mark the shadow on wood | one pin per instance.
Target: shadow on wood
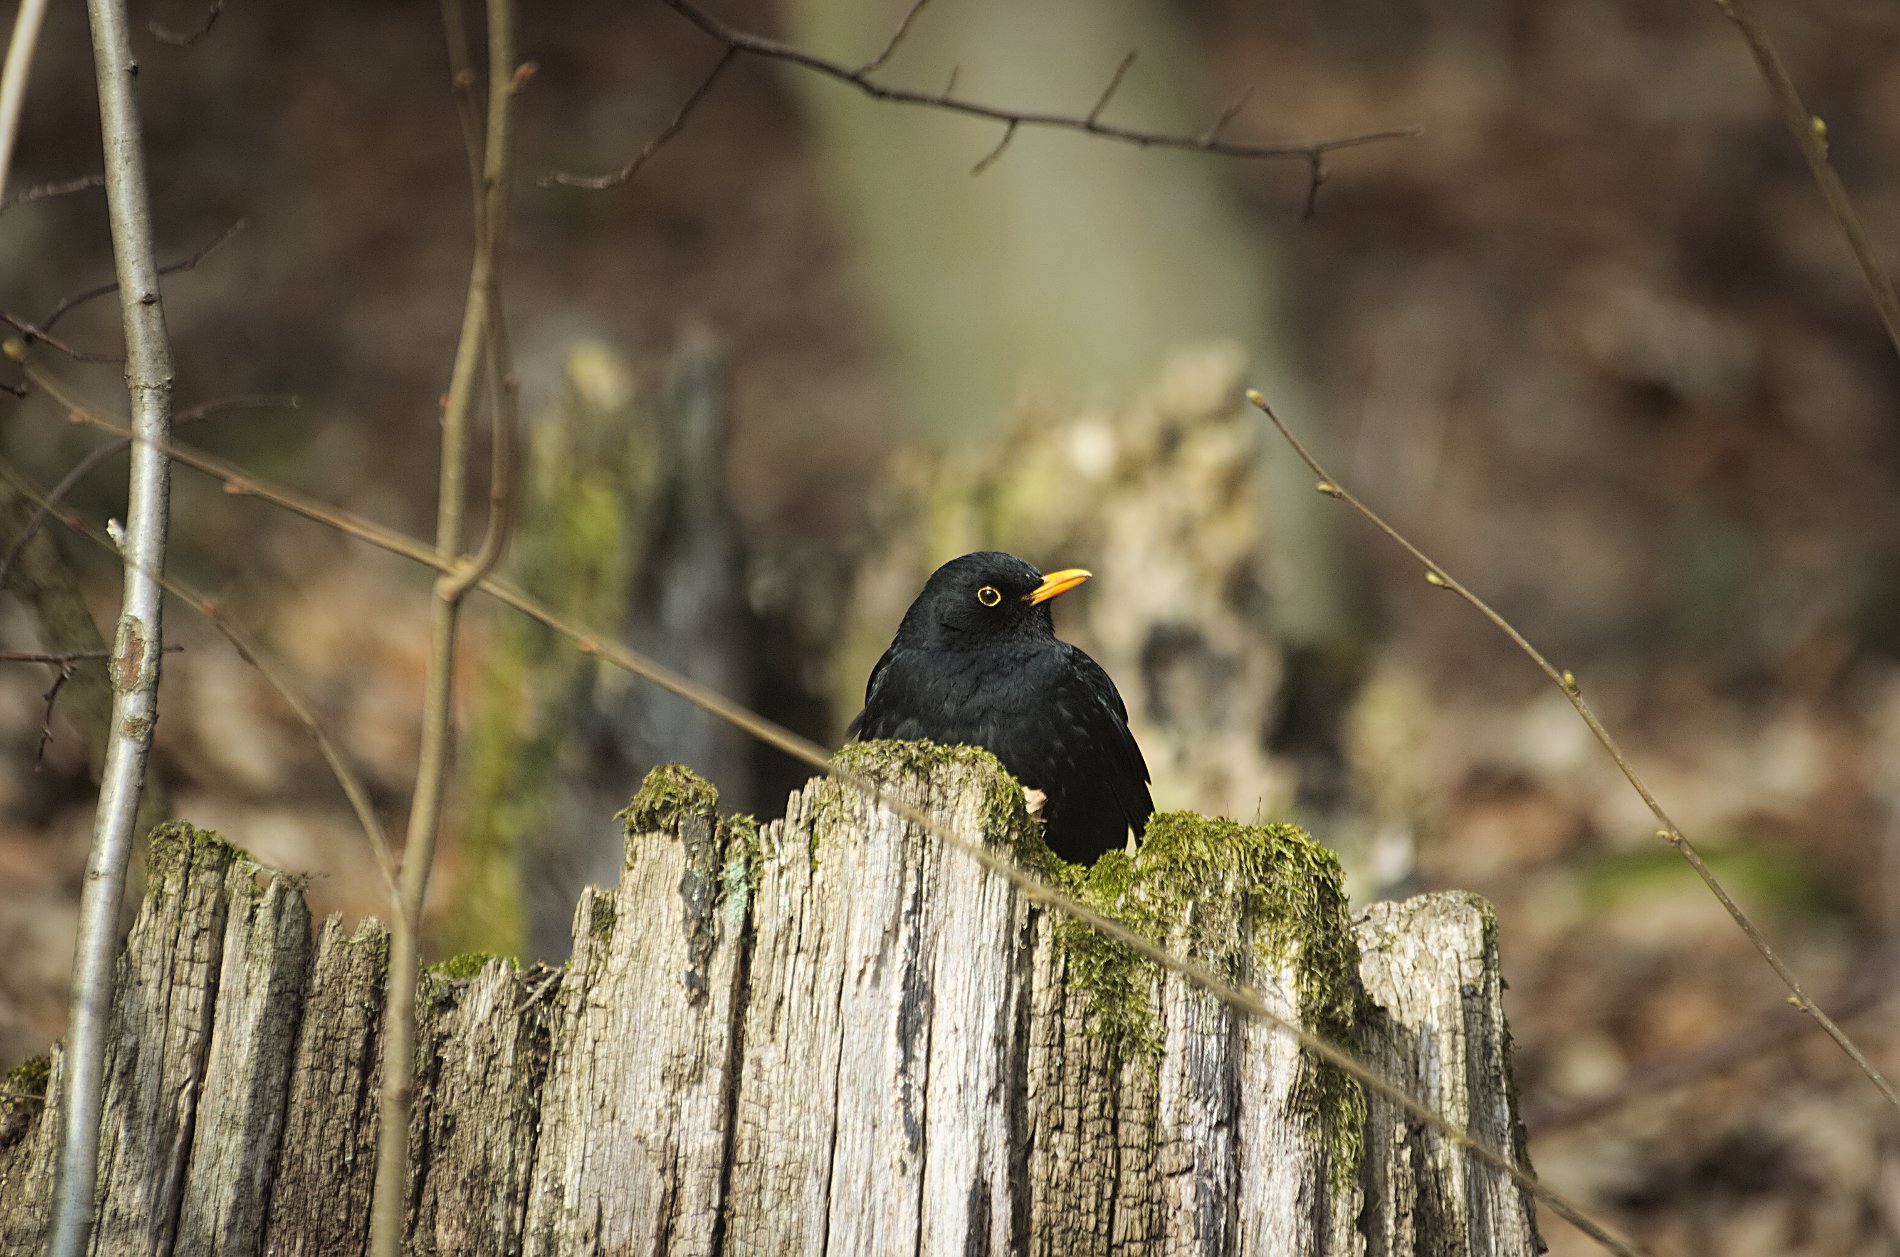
(830, 1035)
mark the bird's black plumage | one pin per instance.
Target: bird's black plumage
(976, 662)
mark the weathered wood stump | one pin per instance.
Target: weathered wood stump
(830, 1035)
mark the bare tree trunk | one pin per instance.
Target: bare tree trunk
(830, 1035)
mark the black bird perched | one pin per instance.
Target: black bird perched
(976, 662)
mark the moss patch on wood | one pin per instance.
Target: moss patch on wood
(1239, 899)
(1004, 818)
(178, 845)
(31, 1076)
(722, 855)
(670, 795)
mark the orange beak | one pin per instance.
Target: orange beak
(1058, 583)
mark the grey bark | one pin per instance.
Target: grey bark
(834, 1035)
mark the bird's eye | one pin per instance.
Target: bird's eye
(988, 596)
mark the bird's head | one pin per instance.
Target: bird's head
(986, 596)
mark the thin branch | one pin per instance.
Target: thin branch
(185, 39)
(63, 657)
(32, 332)
(64, 187)
(63, 661)
(84, 466)
(897, 37)
(804, 750)
(353, 787)
(1228, 114)
(1108, 93)
(170, 268)
(51, 502)
(595, 183)
(1567, 682)
(481, 330)
(462, 88)
(989, 159)
(735, 40)
(13, 78)
(63, 675)
(1315, 176)
(1810, 134)
(60, 657)
(139, 636)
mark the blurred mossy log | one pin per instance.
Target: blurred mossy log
(624, 524)
(830, 1034)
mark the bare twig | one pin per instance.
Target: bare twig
(1567, 682)
(482, 330)
(63, 661)
(170, 268)
(137, 643)
(989, 159)
(85, 465)
(1810, 135)
(1108, 93)
(13, 78)
(614, 178)
(1228, 114)
(64, 187)
(589, 642)
(56, 657)
(897, 37)
(51, 697)
(32, 332)
(1315, 176)
(735, 40)
(185, 39)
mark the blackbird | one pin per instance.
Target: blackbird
(976, 662)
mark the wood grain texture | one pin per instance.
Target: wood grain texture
(832, 1035)
(1430, 966)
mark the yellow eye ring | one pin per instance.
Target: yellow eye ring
(988, 596)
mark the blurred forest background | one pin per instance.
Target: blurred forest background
(1590, 339)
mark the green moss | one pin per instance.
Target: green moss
(178, 845)
(440, 979)
(462, 967)
(722, 856)
(1004, 817)
(31, 1076)
(670, 794)
(602, 917)
(1239, 899)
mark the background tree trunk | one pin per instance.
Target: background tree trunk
(831, 1035)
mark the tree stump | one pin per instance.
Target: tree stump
(833, 1034)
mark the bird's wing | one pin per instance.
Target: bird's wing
(1109, 736)
(885, 702)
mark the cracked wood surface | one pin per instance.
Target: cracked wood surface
(830, 1036)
